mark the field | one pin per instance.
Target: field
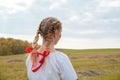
(91, 64)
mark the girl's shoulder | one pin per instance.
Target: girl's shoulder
(65, 67)
(60, 57)
(59, 54)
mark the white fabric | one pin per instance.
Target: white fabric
(57, 66)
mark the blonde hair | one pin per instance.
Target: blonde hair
(46, 29)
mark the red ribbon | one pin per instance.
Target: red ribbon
(44, 55)
(28, 49)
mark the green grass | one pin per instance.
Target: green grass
(105, 61)
(12, 70)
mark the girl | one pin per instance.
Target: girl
(46, 63)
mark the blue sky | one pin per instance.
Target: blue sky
(86, 23)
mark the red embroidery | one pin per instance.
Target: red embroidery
(44, 55)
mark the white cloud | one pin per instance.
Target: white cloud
(56, 4)
(98, 9)
(12, 6)
(92, 32)
(110, 3)
(87, 16)
(101, 21)
(106, 5)
(74, 18)
(87, 32)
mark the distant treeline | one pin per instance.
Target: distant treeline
(10, 46)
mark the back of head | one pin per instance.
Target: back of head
(46, 29)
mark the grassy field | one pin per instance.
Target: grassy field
(93, 64)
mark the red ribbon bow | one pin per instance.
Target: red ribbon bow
(28, 49)
(44, 55)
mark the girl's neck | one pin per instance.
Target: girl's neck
(43, 47)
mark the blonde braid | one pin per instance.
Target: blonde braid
(51, 32)
(34, 45)
(46, 29)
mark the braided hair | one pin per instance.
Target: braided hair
(46, 29)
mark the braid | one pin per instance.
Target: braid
(34, 44)
(42, 27)
(51, 32)
(46, 29)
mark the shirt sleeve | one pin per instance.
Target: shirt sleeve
(67, 71)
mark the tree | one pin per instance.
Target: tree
(10, 46)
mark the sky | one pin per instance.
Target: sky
(86, 24)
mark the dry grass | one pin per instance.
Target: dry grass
(101, 64)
